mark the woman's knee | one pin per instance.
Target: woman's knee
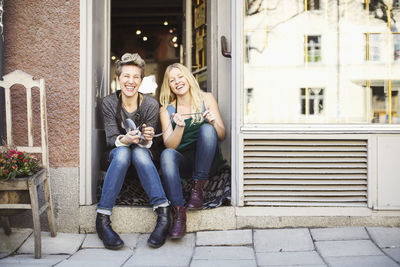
(207, 132)
(141, 156)
(168, 154)
(120, 156)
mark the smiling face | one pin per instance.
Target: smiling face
(177, 82)
(130, 80)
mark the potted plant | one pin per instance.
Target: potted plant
(13, 165)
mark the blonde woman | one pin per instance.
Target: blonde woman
(192, 126)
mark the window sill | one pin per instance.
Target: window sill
(322, 128)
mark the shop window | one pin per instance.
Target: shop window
(313, 51)
(312, 101)
(353, 60)
(313, 4)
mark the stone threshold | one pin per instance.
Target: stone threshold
(127, 219)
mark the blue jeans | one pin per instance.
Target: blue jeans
(175, 165)
(121, 158)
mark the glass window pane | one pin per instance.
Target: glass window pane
(321, 62)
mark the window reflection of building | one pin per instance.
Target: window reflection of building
(314, 97)
(396, 4)
(247, 55)
(396, 47)
(373, 46)
(313, 48)
(379, 104)
(249, 100)
(343, 38)
(313, 5)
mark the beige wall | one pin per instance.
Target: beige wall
(42, 39)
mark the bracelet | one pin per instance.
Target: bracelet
(118, 143)
(149, 143)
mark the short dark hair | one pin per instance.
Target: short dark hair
(130, 59)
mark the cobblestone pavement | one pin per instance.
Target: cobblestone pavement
(347, 246)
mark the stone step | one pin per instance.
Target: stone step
(135, 219)
(127, 219)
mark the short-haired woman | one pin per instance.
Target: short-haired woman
(130, 147)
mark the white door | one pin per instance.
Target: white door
(221, 27)
(94, 84)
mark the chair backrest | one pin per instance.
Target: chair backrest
(26, 80)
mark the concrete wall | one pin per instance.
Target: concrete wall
(42, 39)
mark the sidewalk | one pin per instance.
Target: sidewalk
(348, 246)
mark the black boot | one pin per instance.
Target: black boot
(105, 232)
(158, 236)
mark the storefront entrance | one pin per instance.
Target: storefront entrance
(162, 32)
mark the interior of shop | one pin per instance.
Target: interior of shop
(155, 29)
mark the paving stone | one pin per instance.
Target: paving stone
(301, 265)
(98, 257)
(61, 244)
(29, 260)
(394, 253)
(224, 238)
(277, 240)
(347, 248)
(10, 243)
(224, 253)
(223, 263)
(340, 233)
(172, 253)
(289, 258)
(385, 237)
(93, 241)
(361, 261)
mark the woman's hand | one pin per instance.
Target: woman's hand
(131, 137)
(178, 119)
(209, 116)
(147, 132)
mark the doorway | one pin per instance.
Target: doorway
(151, 28)
(162, 32)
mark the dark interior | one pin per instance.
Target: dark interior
(162, 45)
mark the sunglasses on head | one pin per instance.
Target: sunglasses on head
(128, 57)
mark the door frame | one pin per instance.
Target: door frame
(92, 84)
(224, 78)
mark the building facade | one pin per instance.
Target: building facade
(308, 91)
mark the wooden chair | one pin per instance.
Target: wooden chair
(30, 183)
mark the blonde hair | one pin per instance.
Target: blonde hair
(167, 96)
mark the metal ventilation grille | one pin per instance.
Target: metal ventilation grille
(305, 172)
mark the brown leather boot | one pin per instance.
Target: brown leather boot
(179, 225)
(196, 195)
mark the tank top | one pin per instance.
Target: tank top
(190, 132)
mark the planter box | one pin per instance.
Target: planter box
(14, 194)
